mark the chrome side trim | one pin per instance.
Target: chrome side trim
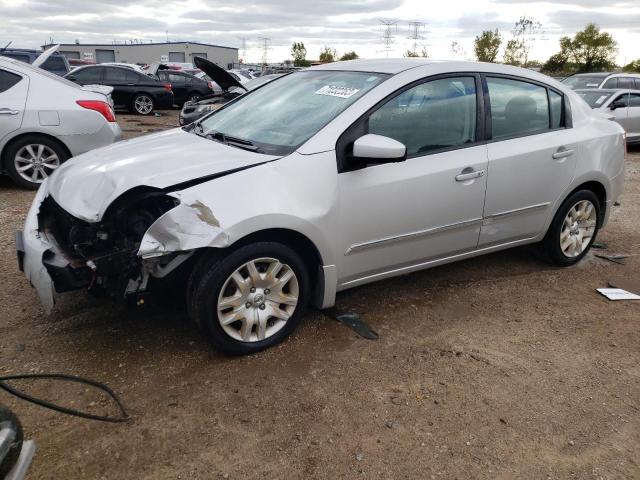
(412, 235)
(517, 211)
(429, 263)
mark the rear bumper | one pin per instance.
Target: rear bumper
(109, 133)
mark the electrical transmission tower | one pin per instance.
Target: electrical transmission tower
(389, 27)
(266, 42)
(243, 49)
(416, 29)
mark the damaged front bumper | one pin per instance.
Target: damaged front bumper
(31, 248)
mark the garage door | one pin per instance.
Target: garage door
(176, 57)
(103, 56)
(71, 54)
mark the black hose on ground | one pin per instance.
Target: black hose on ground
(69, 411)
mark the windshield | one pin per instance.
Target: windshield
(283, 114)
(582, 82)
(595, 99)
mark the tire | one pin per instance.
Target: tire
(33, 155)
(7, 417)
(193, 97)
(277, 300)
(568, 240)
(143, 104)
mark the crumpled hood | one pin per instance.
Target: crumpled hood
(86, 185)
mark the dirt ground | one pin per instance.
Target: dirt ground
(499, 367)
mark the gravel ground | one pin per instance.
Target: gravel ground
(499, 367)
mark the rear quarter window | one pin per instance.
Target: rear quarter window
(8, 80)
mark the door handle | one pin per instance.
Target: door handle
(562, 153)
(463, 177)
(8, 111)
(131, 84)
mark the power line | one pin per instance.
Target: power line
(415, 33)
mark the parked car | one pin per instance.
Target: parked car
(326, 179)
(133, 91)
(56, 63)
(45, 119)
(186, 88)
(230, 88)
(241, 76)
(215, 88)
(16, 453)
(603, 80)
(623, 105)
(194, 110)
(132, 66)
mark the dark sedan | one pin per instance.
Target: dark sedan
(185, 87)
(132, 90)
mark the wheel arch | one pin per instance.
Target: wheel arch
(20, 136)
(598, 189)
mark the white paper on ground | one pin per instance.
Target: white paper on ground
(617, 294)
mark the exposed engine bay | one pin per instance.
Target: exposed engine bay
(102, 257)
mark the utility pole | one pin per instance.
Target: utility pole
(389, 27)
(416, 29)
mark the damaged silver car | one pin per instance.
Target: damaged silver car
(323, 180)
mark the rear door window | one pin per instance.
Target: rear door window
(518, 108)
(611, 83)
(434, 115)
(88, 75)
(556, 107)
(625, 82)
(8, 80)
(115, 75)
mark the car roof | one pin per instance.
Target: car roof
(380, 65)
(607, 90)
(594, 74)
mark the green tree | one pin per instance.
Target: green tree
(524, 34)
(590, 50)
(299, 54)
(349, 56)
(632, 66)
(328, 55)
(487, 45)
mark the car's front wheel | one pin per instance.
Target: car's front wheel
(251, 299)
(32, 158)
(574, 229)
(143, 104)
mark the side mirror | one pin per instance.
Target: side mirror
(372, 148)
(617, 104)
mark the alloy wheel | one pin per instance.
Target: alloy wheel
(257, 300)
(143, 104)
(578, 228)
(35, 162)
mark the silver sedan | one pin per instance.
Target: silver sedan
(45, 120)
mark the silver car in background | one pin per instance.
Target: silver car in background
(324, 180)
(45, 120)
(622, 105)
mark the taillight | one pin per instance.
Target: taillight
(102, 108)
(167, 86)
(210, 85)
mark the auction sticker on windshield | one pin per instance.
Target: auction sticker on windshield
(342, 92)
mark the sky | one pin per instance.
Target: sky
(344, 25)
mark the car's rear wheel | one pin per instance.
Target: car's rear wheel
(143, 104)
(31, 159)
(194, 97)
(250, 299)
(574, 229)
